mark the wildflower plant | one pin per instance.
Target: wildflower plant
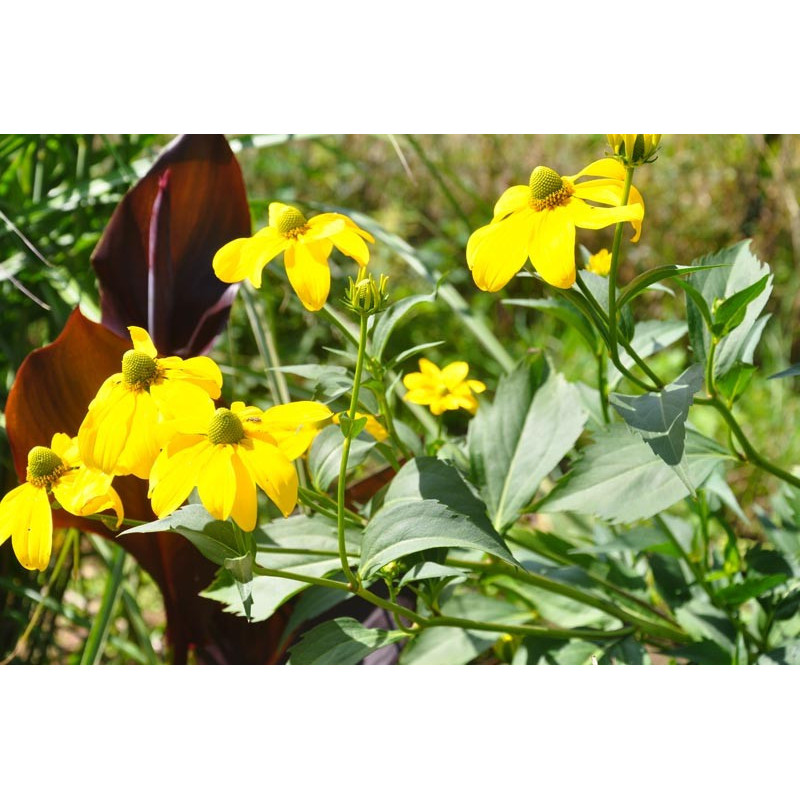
(544, 521)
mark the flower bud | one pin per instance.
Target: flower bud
(365, 295)
(635, 149)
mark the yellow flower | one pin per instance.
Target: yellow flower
(118, 434)
(600, 262)
(307, 243)
(25, 513)
(442, 389)
(373, 427)
(227, 453)
(538, 221)
(634, 149)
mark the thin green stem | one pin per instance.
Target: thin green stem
(711, 386)
(602, 384)
(101, 627)
(362, 349)
(612, 276)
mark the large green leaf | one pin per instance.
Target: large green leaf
(716, 286)
(660, 417)
(341, 641)
(517, 440)
(428, 505)
(278, 547)
(620, 479)
(442, 645)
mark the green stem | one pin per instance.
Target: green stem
(362, 348)
(612, 276)
(711, 386)
(101, 627)
(602, 384)
(386, 413)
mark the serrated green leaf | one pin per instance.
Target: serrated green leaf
(428, 505)
(341, 641)
(660, 417)
(517, 440)
(621, 480)
(389, 319)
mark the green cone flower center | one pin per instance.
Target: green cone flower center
(138, 369)
(44, 466)
(291, 222)
(225, 428)
(548, 189)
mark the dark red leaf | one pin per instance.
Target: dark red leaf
(154, 259)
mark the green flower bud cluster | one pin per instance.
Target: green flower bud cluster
(365, 295)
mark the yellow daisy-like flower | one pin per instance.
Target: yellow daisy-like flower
(373, 427)
(306, 244)
(226, 453)
(538, 221)
(25, 513)
(119, 433)
(442, 389)
(600, 262)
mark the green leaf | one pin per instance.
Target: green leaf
(388, 320)
(278, 547)
(214, 538)
(351, 427)
(325, 456)
(641, 282)
(412, 351)
(427, 505)
(241, 570)
(660, 417)
(739, 593)
(730, 313)
(341, 641)
(621, 480)
(562, 311)
(430, 570)
(716, 285)
(733, 384)
(790, 372)
(330, 381)
(650, 337)
(517, 440)
(441, 645)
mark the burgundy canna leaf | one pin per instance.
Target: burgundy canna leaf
(154, 259)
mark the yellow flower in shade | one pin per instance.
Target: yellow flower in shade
(373, 427)
(538, 221)
(119, 433)
(306, 244)
(442, 389)
(600, 262)
(226, 453)
(25, 513)
(635, 149)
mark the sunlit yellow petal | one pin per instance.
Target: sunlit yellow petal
(274, 473)
(604, 168)
(351, 244)
(31, 523)
(513, 199)
(502, 250)
(308, 272)
(476, 386)
(217, 484)
(292, 426)
(594, 217)
(552, 249)
(275, 211)
(324, 225)
(142, 445)
(453, 374)
(104, 431)
(416, 380)
(173, 477)
(427, 367)
(61, 444)
(245, 504)
(142, 342)
(421, 396)
(200, 371)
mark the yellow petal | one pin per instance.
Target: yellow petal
(501, 250)
(308, 272)
(416, 380)
(173, 477)
(427, 367)
(513, 199)
(142, 445)
(80, 486)
(61, 444)
(608, 192)
(104, 430)
(324, 225)
(453, 374)
(274, 473)
(476, 386)
(200, 371)
(142, 342)
(217, 484)
(604, 168)
(25, 515)
(275, 211)
(594, 217)
(245, 504)
(293, 426)
(351, 244)
(552, 249)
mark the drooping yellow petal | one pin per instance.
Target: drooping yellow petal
(217, 483)
(174, 476)
(293, 426)
(104, 431)
(351, 244)
(25, 514)
(604, 168)
(552, 248)
(142, 342)
(63, 446)
(275, 212)
(513, 199)
(142, 445)
(501, 250)
(608, 192)
(80, 486)
(199, 371)
(308, 272)
(476, 386)
(595, 217)
(273, 472)
(245, 504)
(324, 225)
(453, 374)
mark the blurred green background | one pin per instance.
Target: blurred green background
(57, 193)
